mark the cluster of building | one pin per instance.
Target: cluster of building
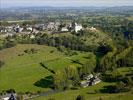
(10, 96)
(90, 80)
(51, 26)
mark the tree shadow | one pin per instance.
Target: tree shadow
(88, 57)
(91, 92)
(76, 62)
(46, 82)
(109, 89)
(50, 70)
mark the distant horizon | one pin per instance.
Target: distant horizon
(65, 6)
(64, 3)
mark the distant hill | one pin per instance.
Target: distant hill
(42, 12)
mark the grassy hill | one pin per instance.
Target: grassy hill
(22, 70)
(92, 92)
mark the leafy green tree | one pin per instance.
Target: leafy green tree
(10, 43)
(89, 66)
(60, 80)
(108, 61)
(72, 74)
(124, 58)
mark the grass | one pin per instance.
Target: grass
(88, 97)
(94, 38)
(88, 93)
(92, 92)
(130, 18)
(22, 70)
(125, 70)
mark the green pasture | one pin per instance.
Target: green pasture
(22, 70)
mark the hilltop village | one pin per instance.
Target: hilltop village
(51, 27)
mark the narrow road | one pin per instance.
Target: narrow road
(50, 92)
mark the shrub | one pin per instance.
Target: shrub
(80, 97)
(51, 99)
(1, 63)
(10, 91)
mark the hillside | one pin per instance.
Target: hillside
(23, 69)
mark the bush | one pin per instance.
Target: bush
(61, 48)
(10, 91)
(80, 97)
(1, 63)
(26, 51)
(51, 51)
(33, 50)
(30, 51)
(10, 44)
(19, 97)
(51, 99)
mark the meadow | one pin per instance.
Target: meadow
(22, 70)
(89, 97)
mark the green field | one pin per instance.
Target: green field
(67, 96)
(130, 18)
(88, 93)
(22, 70)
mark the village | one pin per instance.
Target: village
(51, 27)
(32, 30)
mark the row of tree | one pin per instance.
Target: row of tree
(71, 76)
